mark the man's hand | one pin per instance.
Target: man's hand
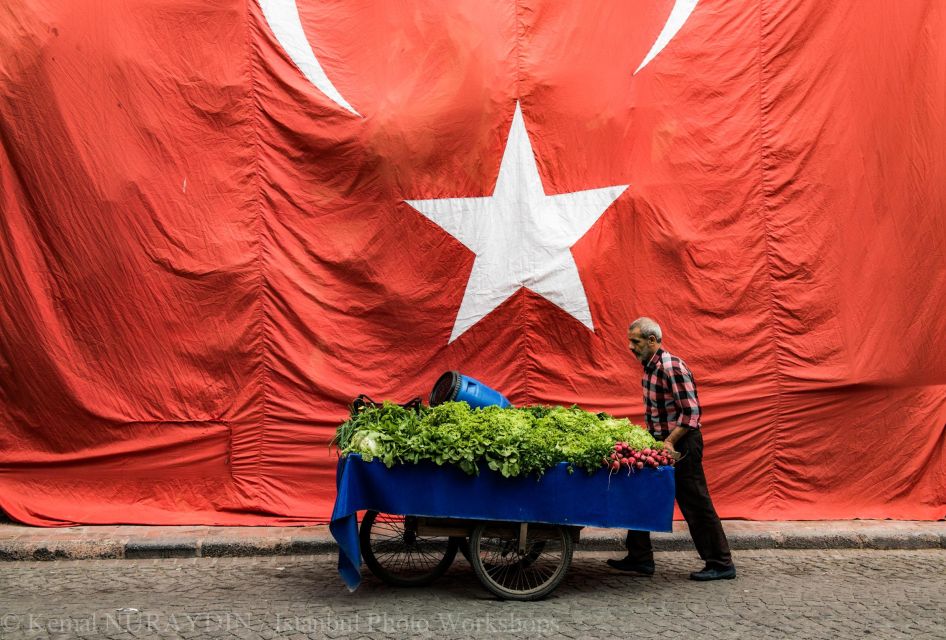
(671, 451)
(675, 435)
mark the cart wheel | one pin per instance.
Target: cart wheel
(512, 574)
(396, 554)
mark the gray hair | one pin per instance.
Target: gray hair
(648, 327)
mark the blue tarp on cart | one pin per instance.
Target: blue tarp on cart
(643, 500)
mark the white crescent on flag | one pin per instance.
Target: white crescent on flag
(678, 16)
(283, 18)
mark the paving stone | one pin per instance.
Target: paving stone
(836, 594)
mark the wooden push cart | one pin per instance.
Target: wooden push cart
(518, 533)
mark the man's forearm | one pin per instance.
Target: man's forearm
(675, 435)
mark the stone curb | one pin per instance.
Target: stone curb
(86, 543)
(606, 540)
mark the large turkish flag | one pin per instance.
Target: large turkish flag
(222, 221)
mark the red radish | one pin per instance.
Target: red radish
(615, 465)
(639, 464)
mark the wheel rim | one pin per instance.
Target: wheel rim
(402, 552)
(526, 572)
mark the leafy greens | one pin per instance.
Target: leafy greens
(511, 441)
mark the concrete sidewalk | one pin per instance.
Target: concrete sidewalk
(18, 542)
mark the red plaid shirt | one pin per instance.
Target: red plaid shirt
(669, 395)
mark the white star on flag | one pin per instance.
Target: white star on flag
(521, 236)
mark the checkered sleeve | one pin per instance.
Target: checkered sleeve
(684, 394)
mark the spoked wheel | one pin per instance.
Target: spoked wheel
(520, 572)
(394, 551)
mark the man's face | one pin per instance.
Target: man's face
(642, 348)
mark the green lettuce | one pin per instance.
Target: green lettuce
(512, 441)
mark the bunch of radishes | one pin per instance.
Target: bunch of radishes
(624, 457)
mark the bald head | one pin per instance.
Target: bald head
(648, 327)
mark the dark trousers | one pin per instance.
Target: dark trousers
(697, 507)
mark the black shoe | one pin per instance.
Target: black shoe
(714, 573)
(636, 567)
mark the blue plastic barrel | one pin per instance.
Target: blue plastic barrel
(454, 387)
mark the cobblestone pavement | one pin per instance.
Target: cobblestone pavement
(778, 594)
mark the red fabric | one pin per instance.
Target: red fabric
(204, 258)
